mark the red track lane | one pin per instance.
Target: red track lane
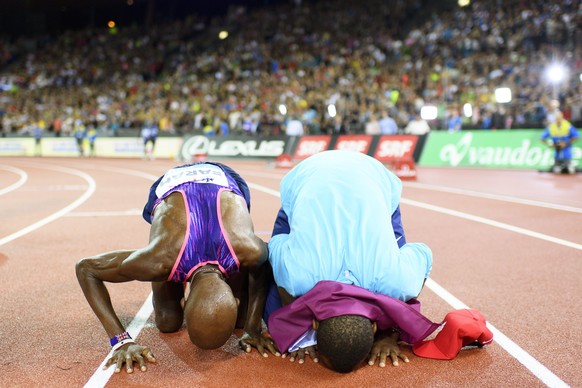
(526, 286)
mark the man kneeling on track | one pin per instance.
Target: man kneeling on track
(340, 223)
(202, 235)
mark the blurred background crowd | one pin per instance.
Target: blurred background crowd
(301, 67)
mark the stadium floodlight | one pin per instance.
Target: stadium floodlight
(503, 95)
(283, 109)
(468, 110)
(464, 3)
(428, 112)
(331, 111)
(222, 35)
(556, 73)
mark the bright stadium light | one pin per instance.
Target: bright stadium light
(331, 110)
(464, 3)
(428, 112)
(468, 110)
(283, 109)
(556, 73)
(223, 35)
(503, 95)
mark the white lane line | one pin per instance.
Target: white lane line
(102, 376)
(20, 182)
(264, 189)
(86, 195)
(492, 196)
(533, 365)
(496, 224)
(132, 212)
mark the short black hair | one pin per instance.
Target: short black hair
(345, 341)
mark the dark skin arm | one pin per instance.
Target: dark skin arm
(152, 263)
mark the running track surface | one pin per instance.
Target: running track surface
(508, 243)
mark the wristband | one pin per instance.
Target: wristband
(121, 343)
(116, 339)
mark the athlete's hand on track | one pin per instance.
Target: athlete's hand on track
(128, 354)
(300, 354)
(386, 346)
(262, 342)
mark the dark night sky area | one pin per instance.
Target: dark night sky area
(32, 17)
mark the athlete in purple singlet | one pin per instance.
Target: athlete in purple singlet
(201, 236)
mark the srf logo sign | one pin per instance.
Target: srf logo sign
(392, 148)
(359, 143)
(311, 145)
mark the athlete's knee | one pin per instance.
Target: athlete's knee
(168, 321)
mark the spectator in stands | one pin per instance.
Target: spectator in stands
(417, 126)
(351, 67)
(293, 126)
(454, 121)
(387, 124)
(373, 126)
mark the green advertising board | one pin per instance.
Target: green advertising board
(496, 149)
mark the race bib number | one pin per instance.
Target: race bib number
(199, 173)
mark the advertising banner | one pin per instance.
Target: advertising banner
(232, 147)
(395, 147)
(311, 145)
(360, 143)
(497, 149)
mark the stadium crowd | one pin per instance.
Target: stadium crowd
(372, 61)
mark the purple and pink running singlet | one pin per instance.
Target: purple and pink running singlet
(206, 241)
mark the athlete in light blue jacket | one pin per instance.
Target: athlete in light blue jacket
(340, 221)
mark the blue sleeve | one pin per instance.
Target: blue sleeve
(149, 207)
(242, 184)
(397, 226)
(281, 224)
(545, 134)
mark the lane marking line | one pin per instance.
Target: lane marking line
(23, 178)
(131, 212)
(493, 223)
(496, 197)
(79, 201)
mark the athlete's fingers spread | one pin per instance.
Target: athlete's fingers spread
(149, 355)
(394, 358)
(382, 360)
(128, 363)
(141, 362)
(119, 365)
